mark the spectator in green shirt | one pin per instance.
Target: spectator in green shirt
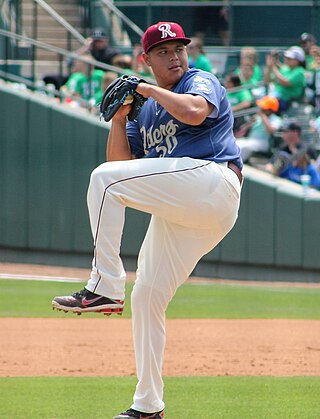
(250, 54)
(307, 41)
(108, 78)
(197, 56)
(287, 79)
(239, 100)
(84, 81)
(250, 72)
(246, 72)
(309, 45)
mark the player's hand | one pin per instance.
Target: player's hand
(122, 113)
(120, 93)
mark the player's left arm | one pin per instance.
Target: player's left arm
(187, 108)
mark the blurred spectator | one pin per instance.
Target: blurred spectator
(98, 46)
(250, 72)
(223, 23)
(247, 77)
(314, 125)
(108, 78)
(57, 80)
(317, 163)
(250, 54)
(314, 84)
(309, 45)
(212, 21)
(288, 79)
(123, 61)
(302, 163)
(245, 72)
(239, 100)
(84, 81)
(197, 56)
(260, 128)
(139, 66)
(291, 142)
(307, 41)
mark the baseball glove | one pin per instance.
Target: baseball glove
(122, 91)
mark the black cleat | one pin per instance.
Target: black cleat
(86, 301)
(134, 414)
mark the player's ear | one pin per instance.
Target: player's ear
(146, 58)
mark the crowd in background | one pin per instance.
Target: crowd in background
(286, 125)
(267, 97)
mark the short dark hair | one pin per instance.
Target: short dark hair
(234, 78)
(291, 126)
(307, 37)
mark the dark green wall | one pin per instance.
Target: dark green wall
(271, 25)
(264, 24)
(276, 235)
(47, 152)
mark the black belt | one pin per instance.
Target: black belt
(236, 170)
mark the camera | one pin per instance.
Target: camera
(275, 54)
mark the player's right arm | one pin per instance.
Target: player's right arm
(187, 108)
(118, 147)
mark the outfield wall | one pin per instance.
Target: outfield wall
(47, 152)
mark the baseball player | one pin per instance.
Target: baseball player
(178, 161)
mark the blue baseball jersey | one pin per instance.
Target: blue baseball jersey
(156, 133)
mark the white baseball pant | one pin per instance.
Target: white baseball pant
(194, 204)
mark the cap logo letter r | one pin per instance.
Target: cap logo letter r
(166, 31)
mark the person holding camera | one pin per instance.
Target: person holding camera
(287, 79)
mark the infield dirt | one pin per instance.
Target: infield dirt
(79, 346)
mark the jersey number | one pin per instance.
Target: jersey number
(167, 148)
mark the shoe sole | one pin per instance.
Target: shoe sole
(106, 310)
(124, 417)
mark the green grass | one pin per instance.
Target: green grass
(19, 298)
(186, 397)
(245, 302)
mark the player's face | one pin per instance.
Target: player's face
(169, 62)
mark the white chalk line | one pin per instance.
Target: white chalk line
(40, 278)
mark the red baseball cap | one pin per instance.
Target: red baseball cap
(163, 32)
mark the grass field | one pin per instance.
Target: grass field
(212, 397)
(20, 298)
(186, 397)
